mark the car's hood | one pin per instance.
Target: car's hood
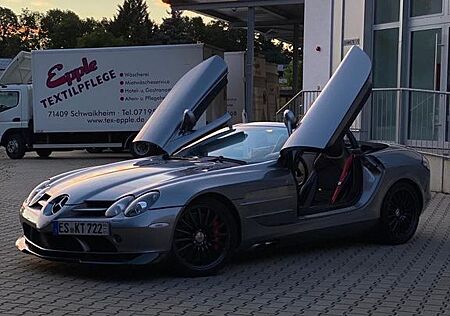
(337, 106)
(194, 92)
(112, 181)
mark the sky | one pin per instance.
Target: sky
(85, 8)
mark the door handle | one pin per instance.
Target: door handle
(16, 119)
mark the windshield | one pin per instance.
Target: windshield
(249, 144)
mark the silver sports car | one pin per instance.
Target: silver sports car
(218, 188)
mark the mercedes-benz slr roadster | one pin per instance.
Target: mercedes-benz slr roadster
(214, 188)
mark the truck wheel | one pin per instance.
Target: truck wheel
(94, 150)
(15, 146)
(43, 153)
(140, 149)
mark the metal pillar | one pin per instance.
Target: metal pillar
(249, 64)
(402, 111)
(295, 62)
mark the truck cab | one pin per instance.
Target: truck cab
(15, 117)
(16, 106)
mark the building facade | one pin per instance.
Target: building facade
(408, 41)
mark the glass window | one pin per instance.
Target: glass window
(385, 61)
(387, 11)
(425, 74)
(425, 7)
(426, 59)
(249, 144)
(385, 70)
(8, 99)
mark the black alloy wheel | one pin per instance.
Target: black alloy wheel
(204, 238)
(399, 214)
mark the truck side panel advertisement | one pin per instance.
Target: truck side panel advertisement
(94, 90)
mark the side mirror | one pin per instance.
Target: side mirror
(289, 120)
(188, 122)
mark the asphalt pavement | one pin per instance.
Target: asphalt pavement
(331, 276)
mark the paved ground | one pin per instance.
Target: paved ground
(333, 277)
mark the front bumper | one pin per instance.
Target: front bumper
(139, 240)
(27, 246)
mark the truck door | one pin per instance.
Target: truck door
(10, 111)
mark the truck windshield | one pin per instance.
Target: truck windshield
(249, 144)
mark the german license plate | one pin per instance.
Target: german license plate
(81, 228)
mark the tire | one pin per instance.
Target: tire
(204, 238)
(94, 150)
(400, 214)
(15, 146)
(140, 149)
(43, 153)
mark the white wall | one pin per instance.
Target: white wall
(317, 34)
(338, 29)
(440, 173)
(236, 85)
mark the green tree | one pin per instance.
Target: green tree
(289, 74)
(61, 28)
(197, 29)
(133, 24)
(96, 34)
(8, 22)
(273, 52)
(177, 29)
(219, 34)
(100, 38)
(30, 30)
(10, 42)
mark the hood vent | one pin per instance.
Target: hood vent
(41, 203)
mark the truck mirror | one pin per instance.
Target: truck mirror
(189, 121)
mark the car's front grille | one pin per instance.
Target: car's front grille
(68, 243)
(48, 241)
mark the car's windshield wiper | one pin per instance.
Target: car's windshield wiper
(225, 159)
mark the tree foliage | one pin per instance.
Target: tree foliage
(61, 28)
(20, 32)
(176, 30)
(30, 30)
(132, 25)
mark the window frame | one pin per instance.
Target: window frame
(390, 24)
(14, 106)
(424, 16)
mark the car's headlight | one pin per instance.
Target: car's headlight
(119, 206)
(426, 163)
(142, 204)
(37, 193)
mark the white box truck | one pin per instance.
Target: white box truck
(89, 98)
